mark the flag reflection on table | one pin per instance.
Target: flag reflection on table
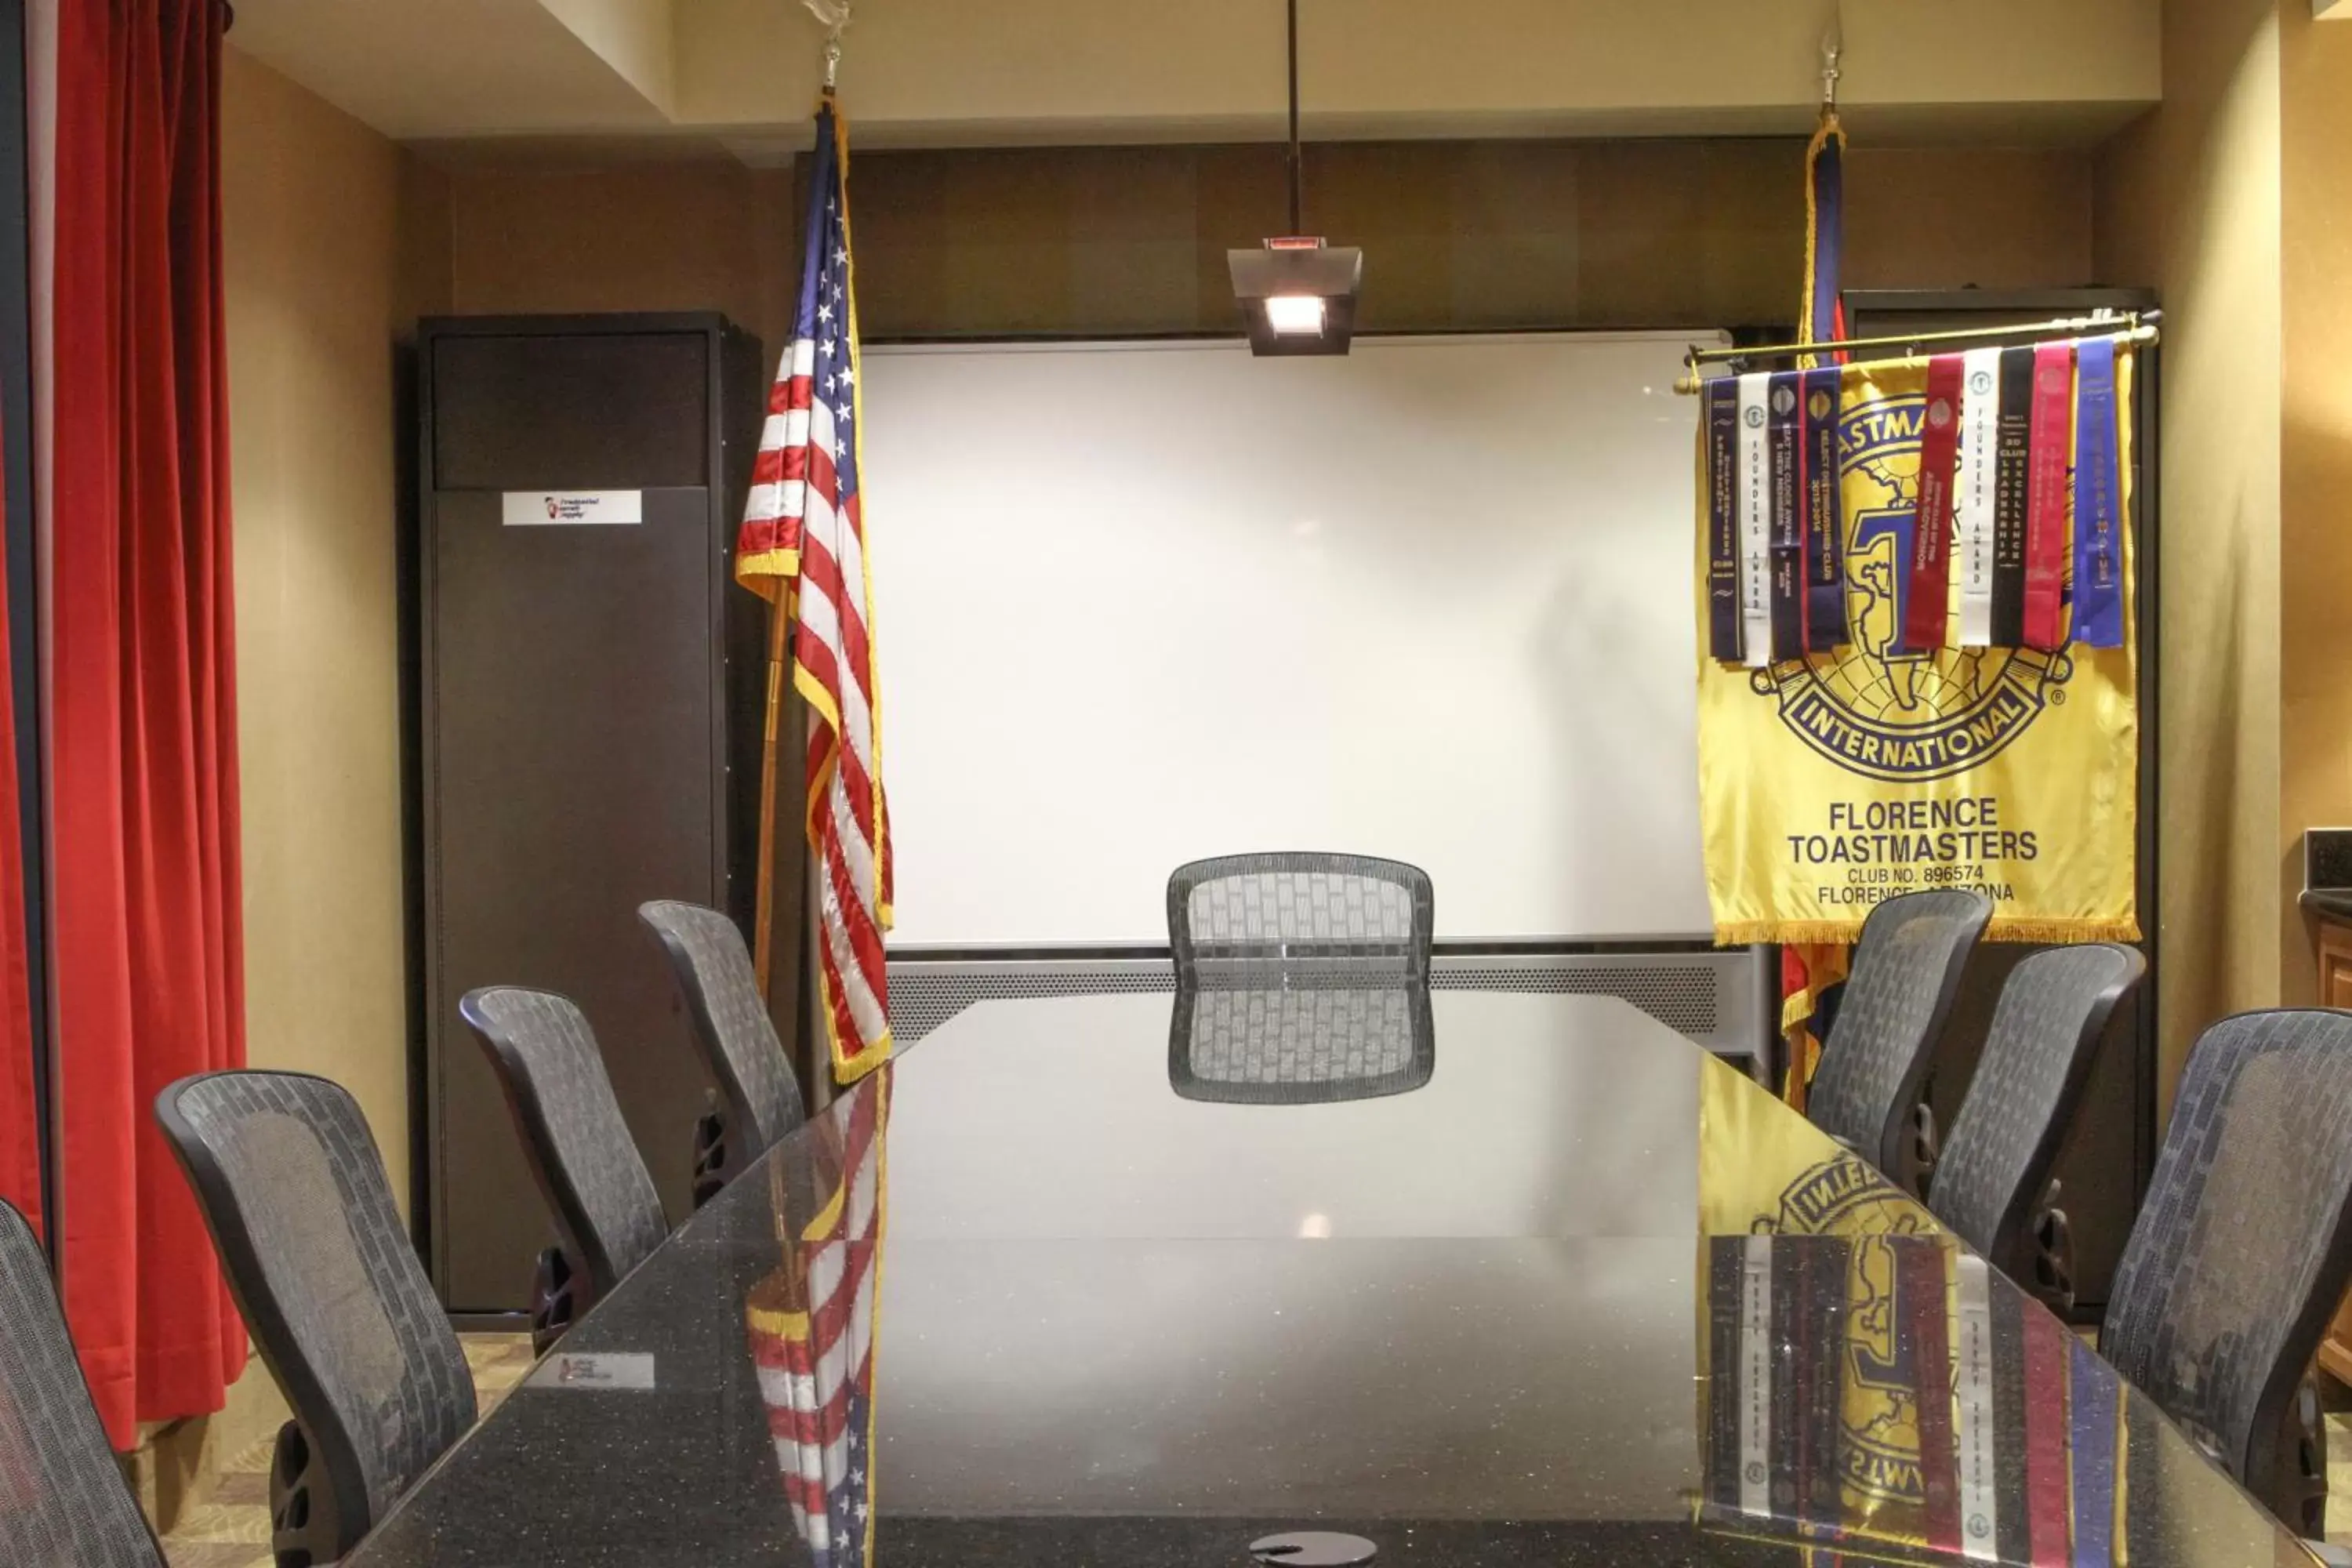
(812, 1322)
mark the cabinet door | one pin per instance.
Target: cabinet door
(573, 780)
(2335, 991)
(2334, 965)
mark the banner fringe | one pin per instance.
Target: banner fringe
(2003, 928)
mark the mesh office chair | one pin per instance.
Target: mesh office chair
(607, 1212)
(1907, 969)
(1993, 1183)
(1242, 917)
(62, 1500)
(1308, 1044)
(294, 1193)
(1300, 976)
(737, 1039)
(2243, 1250)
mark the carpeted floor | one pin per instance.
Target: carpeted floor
(232, 1528)
(232, 1531)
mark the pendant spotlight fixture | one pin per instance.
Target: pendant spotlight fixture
(1298, 293)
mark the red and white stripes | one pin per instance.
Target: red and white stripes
(804, 534)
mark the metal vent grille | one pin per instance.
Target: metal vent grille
(1683, 998)
(1715, 998)
(923, 996)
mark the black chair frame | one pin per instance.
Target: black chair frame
(722, 1149)
(1905, 1147)
(2033, 1241)
(1190, 1085)
(577, 1273)
(2284, 1459)
(1187, 952)
(318, 1492)
(108, 1527)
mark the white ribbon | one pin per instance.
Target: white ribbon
(1972, 500)
(1755, 502)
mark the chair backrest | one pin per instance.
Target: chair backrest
(1254, 917)
(1312, 1041)
(1907, 969)
(731, 1023)
(587, 1167)
(62, 1500)
(2243, 1247)
(293, 1191)
(1995, 1167)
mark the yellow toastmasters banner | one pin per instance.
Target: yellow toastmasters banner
(1834, 780)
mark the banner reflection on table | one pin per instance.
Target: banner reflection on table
(1936, 1416)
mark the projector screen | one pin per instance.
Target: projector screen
(1142, 603)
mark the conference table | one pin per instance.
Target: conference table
(1585, 1296)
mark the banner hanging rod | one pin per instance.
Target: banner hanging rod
(2126, 326)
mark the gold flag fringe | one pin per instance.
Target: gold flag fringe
(2003, 928)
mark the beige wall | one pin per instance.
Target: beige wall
(2188, 201)
(1465, 235)
(947, 71)
(2315, 459)
(322, 274)
(1455, 234)
(698, 233)
(1473, 234)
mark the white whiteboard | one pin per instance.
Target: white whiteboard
(1140, 603)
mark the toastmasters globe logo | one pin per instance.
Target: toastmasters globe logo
(1873, 706)
(1879, 1374)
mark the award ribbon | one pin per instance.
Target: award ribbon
(1756, 1377)
(1922, 1287)
(2011, 492)
(2051, 442)
(2013, 1535)
(1755, 525)
(1783, 425)
(1972, 1383)
(1719, 430)
(2094, 1410)
(1973, 503)
(1927, 595)
(2098, 499)
(1825, 515)
(1725, 1275)
(2048, 1506)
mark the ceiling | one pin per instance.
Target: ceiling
(743, 74)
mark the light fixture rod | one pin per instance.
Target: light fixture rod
(1296, 172)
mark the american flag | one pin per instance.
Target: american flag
(812, 1331)
(804, 541)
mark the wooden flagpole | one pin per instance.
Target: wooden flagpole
(779, 665)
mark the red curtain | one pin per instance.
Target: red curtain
(150, 969)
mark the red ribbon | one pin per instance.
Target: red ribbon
(1927, 595)
(2048, 1517)
(2050, 443)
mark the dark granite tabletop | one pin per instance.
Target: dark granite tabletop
(1587, 1295)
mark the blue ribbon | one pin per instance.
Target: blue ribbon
(2098, 499)
(2094, 1452)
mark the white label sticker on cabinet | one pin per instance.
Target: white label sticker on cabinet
(608, 1369)
(522, 509)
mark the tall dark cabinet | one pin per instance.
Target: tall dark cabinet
(589, 689)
